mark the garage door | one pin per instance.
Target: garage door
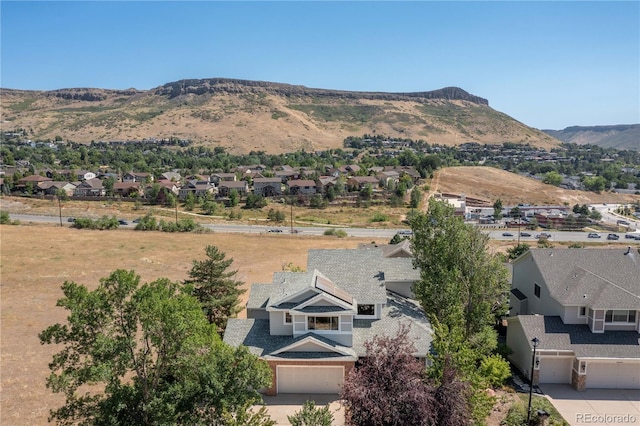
(309, 379)
(555, 370)
(613, 375)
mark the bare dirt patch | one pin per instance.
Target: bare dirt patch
(36, 260)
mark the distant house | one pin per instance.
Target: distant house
(170, 176)
(90, 188)
(301, 186)
(357, 183)
(197, 188)
(583, 306)
(137, 177)
(267, 187)
(287, 175)
(52, 187)
(217, 178)
(126, 189)
(225, 188)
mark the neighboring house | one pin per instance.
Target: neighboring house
(402, 249)
(584, 307)
(267, 187)
(52, 187)
(311, 326)
(388, 176)
(357, 183)
(225, 188)
(90, 188)
(301, 186)
(327, 182)
(137, 177)
(170, 176)
(126, 189)
(197, 188)
(287, 175)
(217, 178)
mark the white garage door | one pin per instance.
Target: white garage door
(555, 370)
(309, 379)
(613, 375)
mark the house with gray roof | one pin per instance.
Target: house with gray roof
(311, 326)
(583, 306)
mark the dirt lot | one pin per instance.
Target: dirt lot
(36, 260)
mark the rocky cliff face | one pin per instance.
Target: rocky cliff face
(235, 86)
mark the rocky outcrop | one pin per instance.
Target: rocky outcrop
(90, 95)
(236, 86)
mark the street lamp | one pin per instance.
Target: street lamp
(535, 342)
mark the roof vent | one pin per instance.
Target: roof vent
(584, 296)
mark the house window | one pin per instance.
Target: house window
(536, 290)
(583, 311)
(287, 318)
(366, 310)
(323, 323)
(620, 316)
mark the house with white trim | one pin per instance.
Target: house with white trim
(583, 305)
(311, 326)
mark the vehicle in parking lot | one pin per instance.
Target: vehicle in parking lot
(593, 235)
(507, 234)
(525, 234)
(613, 237)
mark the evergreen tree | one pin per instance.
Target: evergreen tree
(215, 287)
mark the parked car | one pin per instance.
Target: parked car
(613, 237)
(543, 235)
(525, 234)
(274, 230)
(405, 232)
(122, 222)
(632, 236)
(71, 219)
(593, 235)
(507, 234)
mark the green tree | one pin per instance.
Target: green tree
(416, 197)
(310, 415)
(461, 283)
(215, 287)
(552, 178)
(108, 184)
(145, 354)
(595, 215)
(189, 202)
(234, 198)
(497, 209)
(515, 252)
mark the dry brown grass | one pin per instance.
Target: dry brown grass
(489, 183)
(36, 260)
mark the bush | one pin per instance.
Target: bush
(104, 222)
(4, 218)
(310, 415)
(495, 369)
(515, 252)
(336, 232)
(379, 217)
(517, 415)
(147, 223)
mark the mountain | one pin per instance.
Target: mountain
(622, 136)
(243, 115)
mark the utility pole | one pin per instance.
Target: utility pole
(60, 210)
(291, 219)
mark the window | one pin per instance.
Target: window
(287, 318)
(620, 316)
(583, 311)
(366, 310)
(323, 323)
(536, 290)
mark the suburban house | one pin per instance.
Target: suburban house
(90, 188)
(137, 177)
(357, 183)
(52, 187)
(170, 176)
(225, 187)
(216, 178)
(127, 189)
(311, 326)
(267, 187)
(301, 186)
(583, 306)
(196, 187)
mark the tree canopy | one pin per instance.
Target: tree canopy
(215, 287)
(145, 354)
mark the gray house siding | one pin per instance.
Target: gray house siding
(277, 326)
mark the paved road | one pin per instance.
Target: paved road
(353, 232)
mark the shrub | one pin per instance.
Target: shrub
(379, 217)
(495, 369)
(310, 415)
(340, 233)
(147, 223)
(517, 414)
(4, 218)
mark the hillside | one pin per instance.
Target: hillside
(488, 183)
(619, 137)
(243, 115)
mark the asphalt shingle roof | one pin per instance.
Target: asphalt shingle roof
(555, 335)
(597, 278)
(259, 296)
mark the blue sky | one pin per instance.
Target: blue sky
(547, 64)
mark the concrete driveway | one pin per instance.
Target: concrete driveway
(602, 407)
(283, 405)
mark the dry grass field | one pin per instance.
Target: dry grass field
(36, 260)
(489, 184)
